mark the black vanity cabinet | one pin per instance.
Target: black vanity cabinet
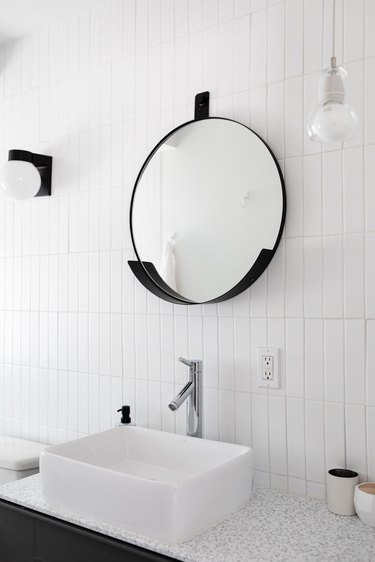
(29, 536)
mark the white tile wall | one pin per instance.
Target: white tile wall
(79, 336)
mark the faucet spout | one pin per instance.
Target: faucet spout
(181, 397)
(191, 393)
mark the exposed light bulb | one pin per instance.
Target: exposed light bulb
(333, 120)
(20, 179)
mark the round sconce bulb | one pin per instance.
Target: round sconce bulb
(20, 179)
(333, 120)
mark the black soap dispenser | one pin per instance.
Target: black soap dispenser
(125, 416)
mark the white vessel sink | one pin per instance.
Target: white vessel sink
(165, 486)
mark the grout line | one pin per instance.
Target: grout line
(365, 241)
(343, 258)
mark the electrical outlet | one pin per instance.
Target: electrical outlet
(268, 367)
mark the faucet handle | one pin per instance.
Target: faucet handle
(186, 362)
(195, 365)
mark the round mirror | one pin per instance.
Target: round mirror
(207, 210)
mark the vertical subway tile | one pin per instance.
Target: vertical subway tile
(242, 370)
(167, 20)
(294, 38)
(257, 5)
(276, 283)
(296, 437)
(226, 353)
(141, 365)
(181, 18)
(369, 275)
(210, 12)
(334, 435)
(294, 277)
(128, 347)
(369, 36)
(242, 7)
(259, 409)
(369, 187)
(210, 351)
(314, 359)
(276, 338)
(353, 276)
(243, 418)
(332, 192)
(371, 444)
(227, 420)
(333, 277)
(226, 10)
(355, 370)
(294, 357)
(211, 414)
(258, 110)
(353, 190)
(353, 29)
(369, 109)
(370, 362)
(293, 117)
(294, 189)
(312, 192)
(242, 53)
(314, 420)
(356, 439)
(313, 35)
(334, 360)
(226, 58)
(275, 118)
(258, 297)
(354, 94)
(310, 91)
(316, 490)
(276, 39)
(277, 435)
(167, 349)
(297, 486)
(83, 343)
(313, 277)
(258, 49)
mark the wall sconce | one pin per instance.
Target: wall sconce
(26, 175)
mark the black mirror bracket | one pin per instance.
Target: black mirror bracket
(202, 106)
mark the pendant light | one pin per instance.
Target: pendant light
(333, 120)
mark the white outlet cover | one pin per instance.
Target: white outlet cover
(273, 352)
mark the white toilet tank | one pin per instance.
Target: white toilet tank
(18, 458)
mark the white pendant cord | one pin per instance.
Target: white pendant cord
(333, 58)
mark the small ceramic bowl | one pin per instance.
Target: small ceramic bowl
(364, 501)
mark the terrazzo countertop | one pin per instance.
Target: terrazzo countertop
(274, 526)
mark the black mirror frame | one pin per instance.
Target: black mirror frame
(146, 272)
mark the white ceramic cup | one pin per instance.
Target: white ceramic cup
(341, 483)
(364, 501)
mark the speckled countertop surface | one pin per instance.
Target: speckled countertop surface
(274, 525)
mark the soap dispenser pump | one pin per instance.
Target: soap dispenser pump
(125, 416)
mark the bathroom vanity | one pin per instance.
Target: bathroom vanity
(28, 536)
(274, 525)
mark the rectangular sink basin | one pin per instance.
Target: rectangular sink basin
(161, 485)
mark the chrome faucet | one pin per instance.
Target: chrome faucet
(192, 393)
